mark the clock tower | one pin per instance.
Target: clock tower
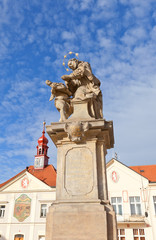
(41, 159)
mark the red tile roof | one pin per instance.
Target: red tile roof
(148, 171)
(2, 184)
(46, 175)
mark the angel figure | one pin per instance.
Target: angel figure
(62, 99)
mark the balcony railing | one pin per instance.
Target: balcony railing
(130, 218)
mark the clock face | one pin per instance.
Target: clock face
(24, 182)
(39, 162)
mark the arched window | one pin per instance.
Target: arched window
(19, 237)
(40, 151)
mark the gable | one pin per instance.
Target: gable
(121, 177)
(25, 182)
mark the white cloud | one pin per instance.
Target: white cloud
(134, 115)
(105, 3)
(68, 35)
(121, 47)
(85, 4)
(31, 38)
(134, 35)
(80, 4)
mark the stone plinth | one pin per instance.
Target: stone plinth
(83, 220)
(81, 210)
(80, 109)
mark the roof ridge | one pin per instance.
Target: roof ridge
(143, 165)
(9, 180)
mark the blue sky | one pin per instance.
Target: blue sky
(118, 38)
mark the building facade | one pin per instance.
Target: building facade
(25, 199)
(24, 202)
(132, 192)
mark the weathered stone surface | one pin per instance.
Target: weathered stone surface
(78, 171)
(76, 130)
(79, 222)
(82, 210)
(80, 110)
(100, 127)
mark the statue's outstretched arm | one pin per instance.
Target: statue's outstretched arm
(48, 82)
(66, 77)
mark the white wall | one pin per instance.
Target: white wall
(34, 225)
(128, 184)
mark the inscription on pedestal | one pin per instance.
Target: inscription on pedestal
(79, 171)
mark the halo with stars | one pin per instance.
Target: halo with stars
(65, 57)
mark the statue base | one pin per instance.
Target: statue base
(81, 210)
(81, 221)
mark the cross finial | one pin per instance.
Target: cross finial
(44, 123)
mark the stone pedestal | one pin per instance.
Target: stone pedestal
(83, 220)
(81, 210)
(80, 107)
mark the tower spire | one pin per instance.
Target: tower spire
(41, 159)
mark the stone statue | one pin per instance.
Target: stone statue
(82, 207)
(81, 85)
(62, 99)
(84, 85)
